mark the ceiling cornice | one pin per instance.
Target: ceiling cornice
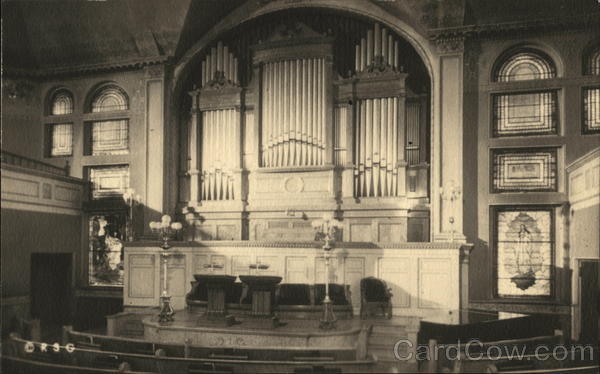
(40, 73)
(582, 22)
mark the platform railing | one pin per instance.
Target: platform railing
(14, 159)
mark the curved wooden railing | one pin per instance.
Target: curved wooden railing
(14, 159)
(86, 355)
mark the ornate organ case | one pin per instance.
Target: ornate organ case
(299, 141)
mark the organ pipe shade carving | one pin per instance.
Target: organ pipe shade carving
(219, 67)
(219, 153)
(376, 51)
(294, 113)
(377, 147)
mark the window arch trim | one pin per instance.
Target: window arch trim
(591, 61)
(108, 98)
(541, 66)
(60, 102)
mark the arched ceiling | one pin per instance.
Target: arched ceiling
(50, 34)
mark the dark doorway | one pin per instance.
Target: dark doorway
(589, 289)
(51, 288)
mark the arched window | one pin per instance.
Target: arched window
(525, 65)
(109, 99)
(520, 111)
(591, 95)
(109, 136)
(59, 134)
(62, 103)
(592, 62)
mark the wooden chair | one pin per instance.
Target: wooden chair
(375, 298)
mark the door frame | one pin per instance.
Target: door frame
(576, 304)
(70, 292)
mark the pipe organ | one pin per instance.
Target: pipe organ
(219, 65)
(379, 93)
(300, 138)
(377, 151)
(293, 112)
(378, 49)
(219, 153)
(215, 128)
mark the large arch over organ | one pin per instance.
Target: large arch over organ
(302, 112)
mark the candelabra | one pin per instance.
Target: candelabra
(451, 193)
(131, 199)
(165, 230)
(326, 229)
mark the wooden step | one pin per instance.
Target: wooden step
(209, 369)
(390, 339)
(228, 357)
(384, 354)
(324, 358)
(383, 329)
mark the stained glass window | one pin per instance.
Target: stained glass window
(524, 170)
(109, 181)
(62, 103)
(61, 136)
(106, 236)
(524, 243)
(591, 110)
(110, 99)
(525, 113)
(525, 65)
(110, 137)
(592, 62)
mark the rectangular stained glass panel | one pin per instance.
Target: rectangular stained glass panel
(525, 113)
(591, 110)
(62, 140)
(110, 137)
(524, 247)
(529, 169)
(109, 181)
(106, 236)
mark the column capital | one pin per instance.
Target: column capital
(454, 44)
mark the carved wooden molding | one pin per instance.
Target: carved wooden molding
(367, 85)
(292, 42)
(153, 246)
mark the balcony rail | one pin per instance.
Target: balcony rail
(29, 163)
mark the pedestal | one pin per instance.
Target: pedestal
(263, 293)
(217, 287)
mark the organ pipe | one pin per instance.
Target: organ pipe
(222, 61)
(379, 45)
(376, 147)
(219, 152)
(294, 111)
